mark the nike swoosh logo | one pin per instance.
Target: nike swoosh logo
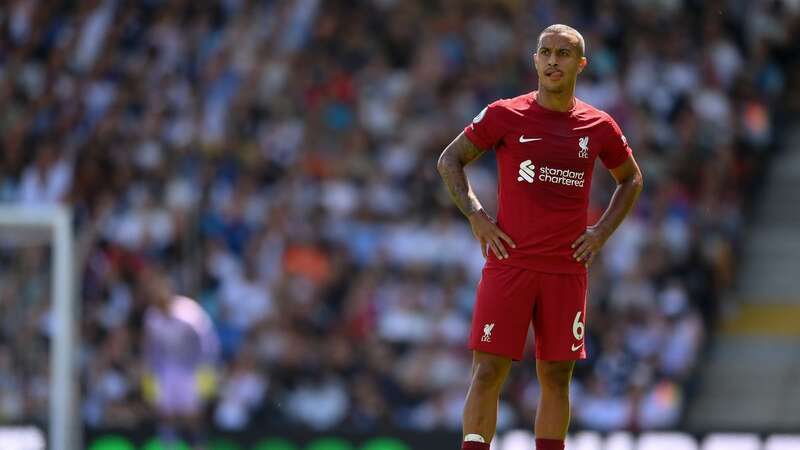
(523, 140)
(575, 348)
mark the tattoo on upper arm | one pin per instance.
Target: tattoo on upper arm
(465, 150)
(451, 165)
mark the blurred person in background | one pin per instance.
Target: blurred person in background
(180, 351)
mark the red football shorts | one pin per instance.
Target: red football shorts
(509, 299)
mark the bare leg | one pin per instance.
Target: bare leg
(480, 410)
(552, 415)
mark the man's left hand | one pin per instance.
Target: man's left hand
(588, 245)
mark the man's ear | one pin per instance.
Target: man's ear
(536, 60)
(582, 64)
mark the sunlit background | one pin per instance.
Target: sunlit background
(275, 162)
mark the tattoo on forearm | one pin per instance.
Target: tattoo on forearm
(451, 165)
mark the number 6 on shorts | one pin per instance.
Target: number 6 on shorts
(577, 327)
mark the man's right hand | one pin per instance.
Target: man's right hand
(451, 165)
(489, 234)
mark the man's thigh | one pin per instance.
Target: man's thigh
(503, 311)
(560, 317)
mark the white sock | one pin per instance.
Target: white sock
(474, 438)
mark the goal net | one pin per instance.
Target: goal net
(38, 315)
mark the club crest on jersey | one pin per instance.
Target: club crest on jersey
(487, 332)
(583, 143)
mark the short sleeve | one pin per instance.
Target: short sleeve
(615, 149)
(486, 129)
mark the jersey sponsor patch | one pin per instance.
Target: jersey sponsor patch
(528, 172)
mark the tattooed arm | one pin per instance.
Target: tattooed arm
(451, 165)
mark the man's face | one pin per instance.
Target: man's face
(558, 61)
(156, 288)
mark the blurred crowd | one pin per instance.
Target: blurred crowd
(277, 159)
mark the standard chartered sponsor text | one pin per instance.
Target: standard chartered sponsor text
(565, 177)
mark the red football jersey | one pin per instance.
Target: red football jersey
(545, 160)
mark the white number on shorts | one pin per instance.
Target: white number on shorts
(577, 327)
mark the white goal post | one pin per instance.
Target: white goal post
(54, 223)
